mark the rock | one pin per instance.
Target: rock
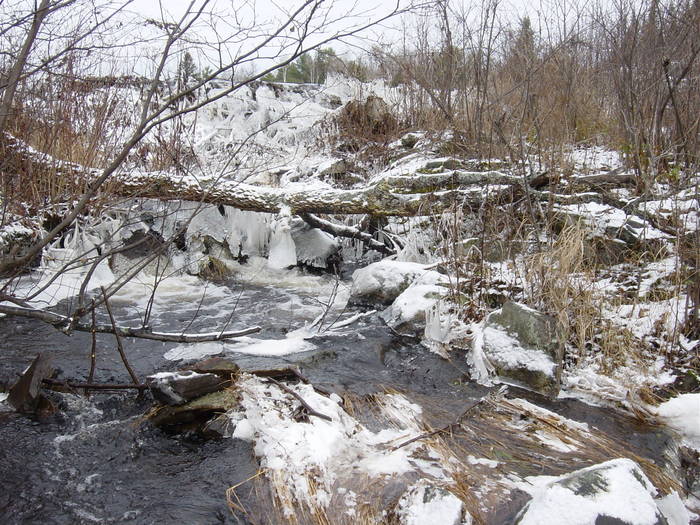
(314, 248)
(333, 168)
(426, 504)
(223, 368)
(616, 492)
(373, 116)
(522, 346)
(198, 411)
(25, 395)
(382, 282)
(219, 427)
(176, 388)
(407, 314)
(16, 240)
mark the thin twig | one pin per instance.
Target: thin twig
(93, 349)
(309, 409)
(120, 346)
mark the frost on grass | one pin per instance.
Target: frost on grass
(311, 461)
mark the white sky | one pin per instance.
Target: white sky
(244, 23)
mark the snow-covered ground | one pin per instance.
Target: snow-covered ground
(279, 136)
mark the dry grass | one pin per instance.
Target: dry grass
(561, 282)
(516, 435)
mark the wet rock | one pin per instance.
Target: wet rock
(196, 412)
(522, 346)
(382, 282)
(219, 427)
(615, 492)
(176, 388)
(220, 366)
(425, 504)
(26, 395)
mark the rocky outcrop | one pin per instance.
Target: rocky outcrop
(522, 346)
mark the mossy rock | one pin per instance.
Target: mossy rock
(214, 269)
(409, 141)
(198, 410)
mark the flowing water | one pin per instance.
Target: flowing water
(97, 461)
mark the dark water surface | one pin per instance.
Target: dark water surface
(96, 461)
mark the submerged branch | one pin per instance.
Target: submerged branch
(61, 322)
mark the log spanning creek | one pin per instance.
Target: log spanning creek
(393, 427)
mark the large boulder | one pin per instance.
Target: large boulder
(523, 347)
(380, 283)
(616, 492)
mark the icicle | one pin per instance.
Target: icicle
(283, 252)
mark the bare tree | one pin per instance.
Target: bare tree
(305, 27)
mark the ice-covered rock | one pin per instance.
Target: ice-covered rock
(426, 504)
(314, 247)
(614, 492)
(522, 346)
(410, 309)
(382, 282)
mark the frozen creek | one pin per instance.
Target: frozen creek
(97, 461)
